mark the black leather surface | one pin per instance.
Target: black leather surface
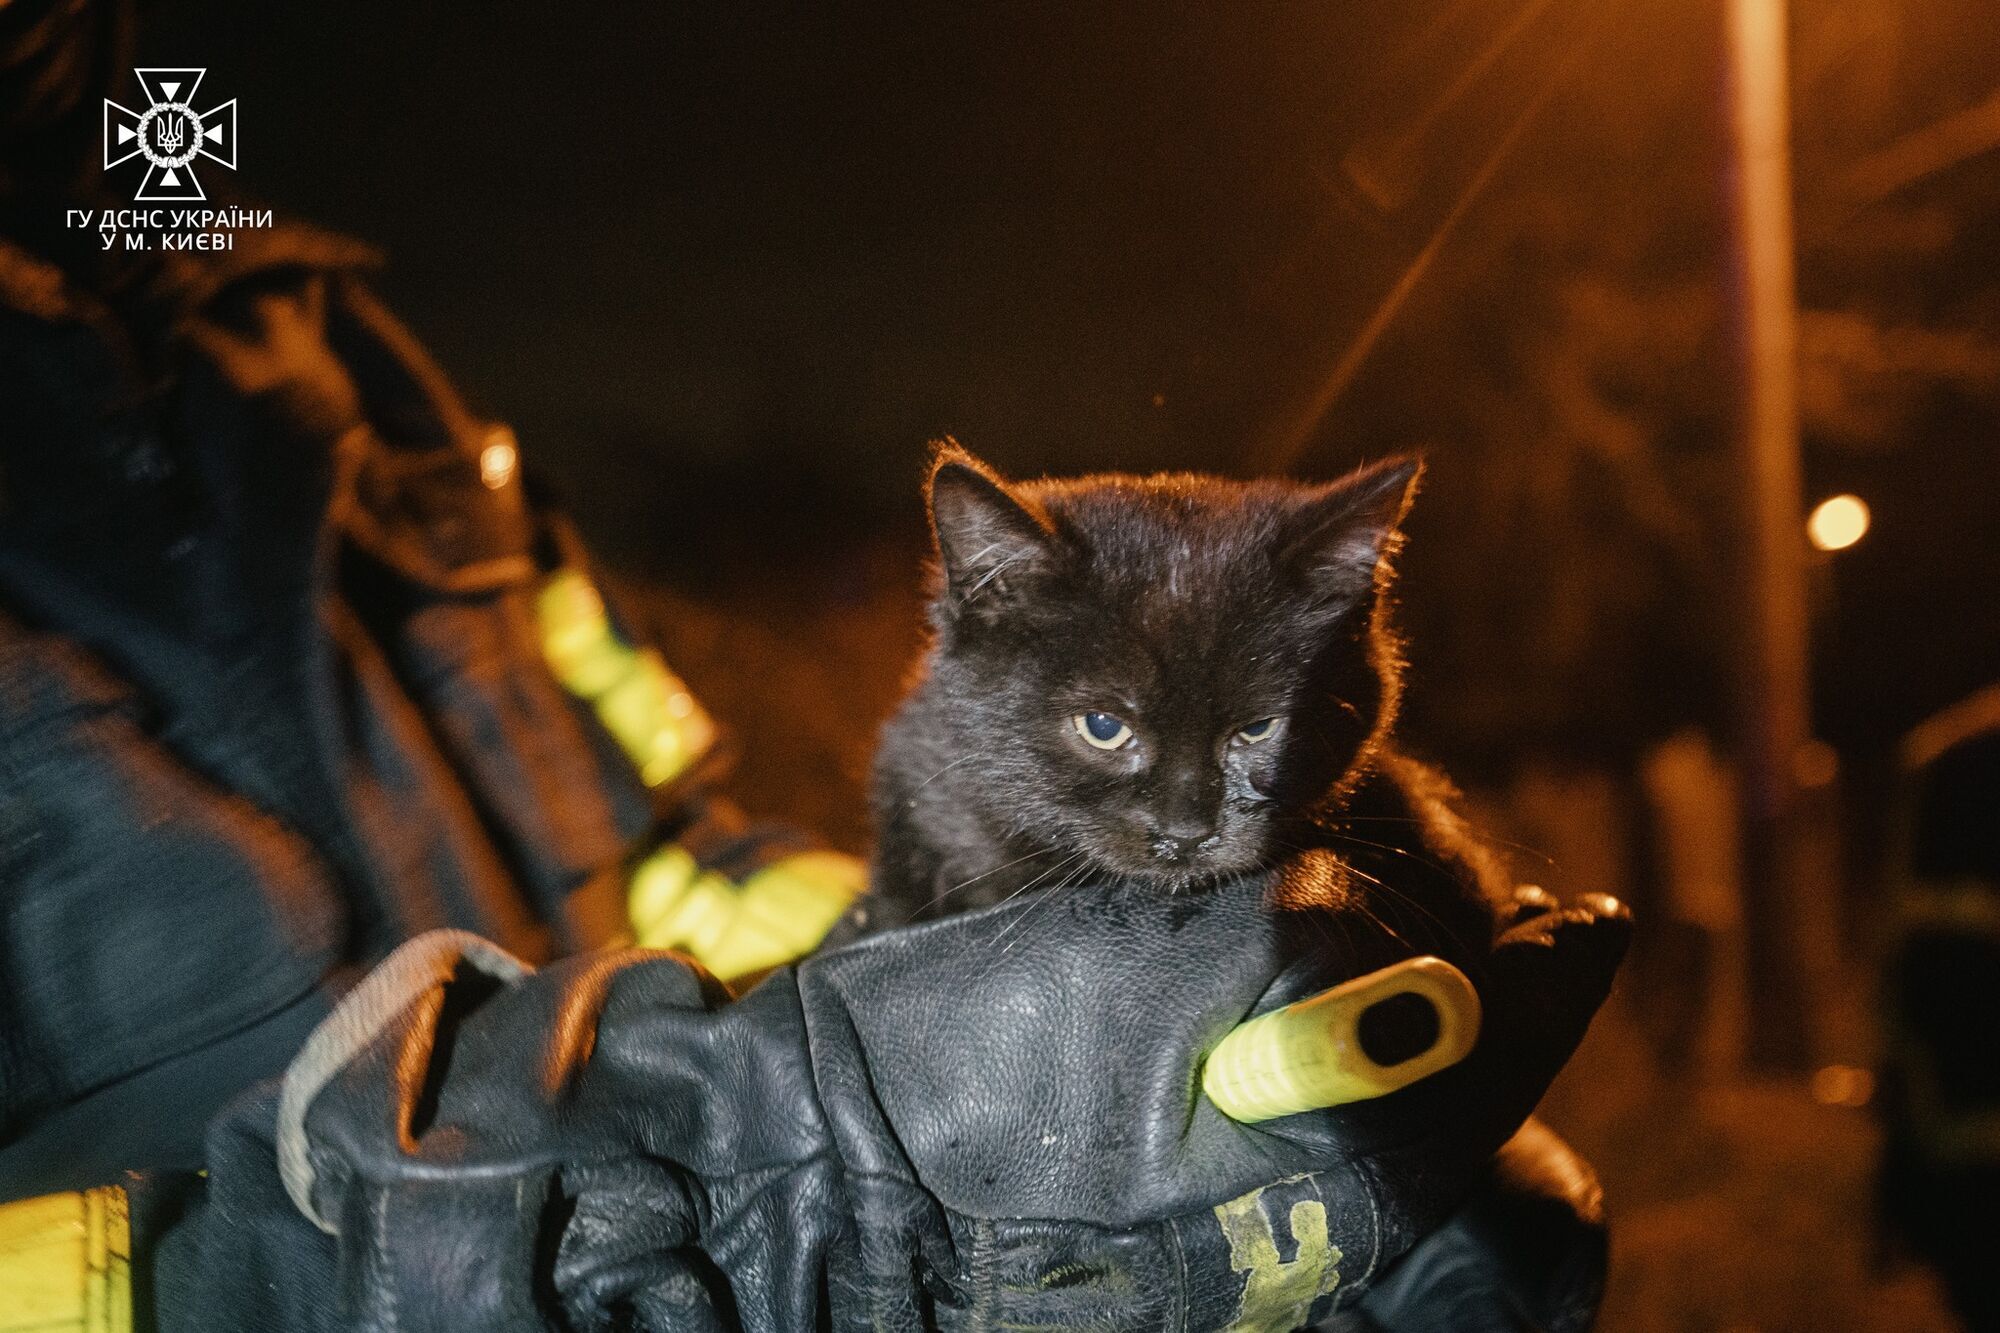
(1035, 1068)
(1042, 1059)
(993, 1121)
(1527, 1253)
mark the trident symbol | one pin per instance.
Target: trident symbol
(169, 133)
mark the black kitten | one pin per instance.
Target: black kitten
(1168, 680)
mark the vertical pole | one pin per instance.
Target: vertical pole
(1773, 683)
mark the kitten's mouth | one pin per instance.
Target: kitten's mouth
(1192, 874)
(1196, 881)
(1132, 857)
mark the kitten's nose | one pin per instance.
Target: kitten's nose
(1178, 839)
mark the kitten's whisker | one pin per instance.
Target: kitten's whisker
(1035, 881)
(1069, 860)
(1359, 873)
(1323, 922)
(940, 773)
(1387, 888)
(1382, 924)
(1004, 865)
(1062, 884)
(1073, 856)
(1484, 835)
(1400, 896)
(1391, 847)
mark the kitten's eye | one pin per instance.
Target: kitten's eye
(1102, 730)
(1261, 730)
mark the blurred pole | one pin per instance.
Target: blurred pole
(1773, 683)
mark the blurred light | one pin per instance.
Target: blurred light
(499, 459)
(1843, 1085)
(1815, 764)
(1838, 522)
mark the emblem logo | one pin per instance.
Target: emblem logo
(170, 134)
(1279, 1293)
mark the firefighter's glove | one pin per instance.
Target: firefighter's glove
(991, 1119)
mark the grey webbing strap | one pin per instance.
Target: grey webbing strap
(417, 967)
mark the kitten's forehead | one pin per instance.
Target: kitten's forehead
(1189, 563)
(1180, 531)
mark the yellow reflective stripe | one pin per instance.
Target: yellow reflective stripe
(648, 710)
(777, 915)
(1278, 1293)
(787, 908)
(65, 1264)
(657, 888)
(1308, 1056)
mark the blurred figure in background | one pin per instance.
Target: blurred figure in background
(1698, 919)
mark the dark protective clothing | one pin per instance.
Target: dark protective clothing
(991, 1121)
(272, 697)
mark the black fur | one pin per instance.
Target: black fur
(1189, 607)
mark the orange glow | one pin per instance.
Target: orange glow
(1843, 1085)
(1837, 523)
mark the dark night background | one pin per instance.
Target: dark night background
(727, 266)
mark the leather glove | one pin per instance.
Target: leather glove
(1015, 1097)
(1526, 1254)
(992, 1120)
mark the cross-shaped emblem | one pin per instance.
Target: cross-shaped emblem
(170, 134)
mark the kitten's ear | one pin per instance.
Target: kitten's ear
(986, 536)
(1344, 529)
